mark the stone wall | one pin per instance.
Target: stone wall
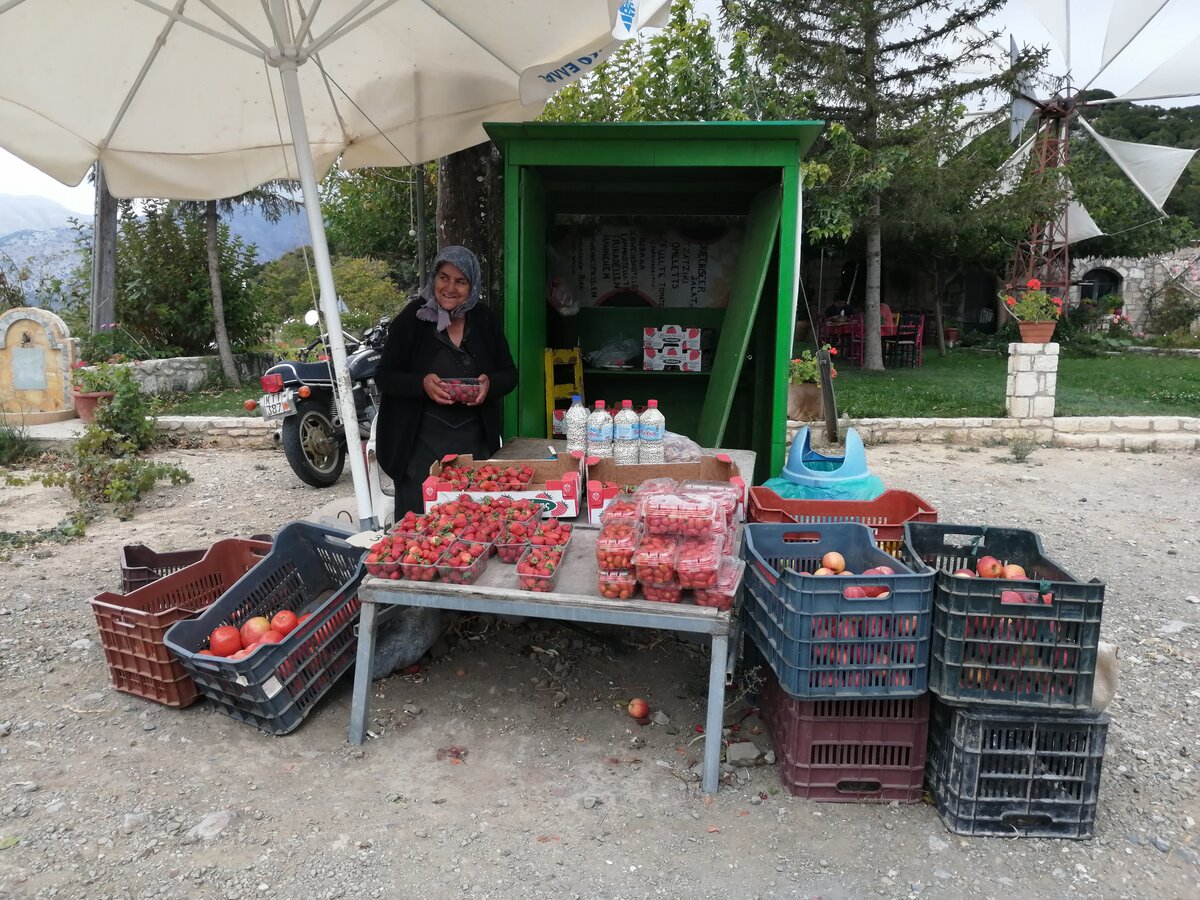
(1143, 279)
(245, 432)
(183, 374)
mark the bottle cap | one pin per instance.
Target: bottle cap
(575, 398)
(599, 404)
(653, 404)
(626, 404)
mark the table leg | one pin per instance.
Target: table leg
(715, 721)
(360, 700)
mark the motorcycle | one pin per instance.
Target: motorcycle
(299, 394)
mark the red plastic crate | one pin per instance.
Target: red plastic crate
(132, 626)
(867, 750)
(885, 515)
(140, 565)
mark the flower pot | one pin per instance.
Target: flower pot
(804, 403)
(1036, 332)
(952, 335)
(85, 403)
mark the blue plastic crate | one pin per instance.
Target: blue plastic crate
(821, 643)
(310, 570)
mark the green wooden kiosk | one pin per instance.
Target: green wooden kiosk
(643, 225)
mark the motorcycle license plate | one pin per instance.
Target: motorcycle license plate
(277, 406)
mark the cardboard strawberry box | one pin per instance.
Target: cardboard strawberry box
(555, 484)
(670, 359)
(606, 480)
(671, 336)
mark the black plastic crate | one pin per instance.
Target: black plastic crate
(818, 641)
(1004, 772)
(310, 569)
(1025, 642)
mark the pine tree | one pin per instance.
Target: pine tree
(882, 70)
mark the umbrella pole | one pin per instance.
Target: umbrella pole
(329, 304)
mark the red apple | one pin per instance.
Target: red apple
(1012, 570)
(964, 573)
(638, 708)
(988, 567)
(824, 571)
(854, 593)
(253, 630)
(833, 561)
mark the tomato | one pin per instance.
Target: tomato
(253, 629)
(242, 654)
(271, 637)
(284, 621)
(206, 653)
(225, 641)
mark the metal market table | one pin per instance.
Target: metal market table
(574, 600)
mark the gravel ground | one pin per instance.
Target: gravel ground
(560, 793)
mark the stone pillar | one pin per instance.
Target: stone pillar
(1032, 381)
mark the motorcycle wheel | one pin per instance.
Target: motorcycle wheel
(312, 445)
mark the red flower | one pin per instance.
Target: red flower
(1057, 301)
(1010, 301)
(1033, 284)
(833, 351)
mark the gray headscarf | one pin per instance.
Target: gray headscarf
(468, 263)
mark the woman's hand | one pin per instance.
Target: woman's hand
(484, 384)
(435, 390)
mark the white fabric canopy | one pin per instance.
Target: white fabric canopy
(1079, 224)
(1176, 76)
(1055, 15)
(202, 116)
(1154, 170)
(1125, 22)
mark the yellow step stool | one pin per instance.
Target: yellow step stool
(556, 390)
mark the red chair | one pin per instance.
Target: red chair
(904, 348)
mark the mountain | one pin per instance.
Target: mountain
(27, 213)
(35, 235)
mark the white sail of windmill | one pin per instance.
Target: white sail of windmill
(1058, 100)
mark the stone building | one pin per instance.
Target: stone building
(1138, 281)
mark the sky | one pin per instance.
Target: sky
(1173, 27)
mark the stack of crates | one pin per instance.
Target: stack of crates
(1014, 749)
(845, 698)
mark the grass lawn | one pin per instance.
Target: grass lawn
(972, 384)
(210, 403)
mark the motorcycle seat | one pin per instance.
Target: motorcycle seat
(309, 371)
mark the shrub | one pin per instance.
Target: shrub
(15, 443)
(1172, 310)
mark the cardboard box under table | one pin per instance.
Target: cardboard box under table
(576, 600)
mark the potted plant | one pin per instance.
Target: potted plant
(1035, 310)
(90, 385)
(804, 386)
(952, 331)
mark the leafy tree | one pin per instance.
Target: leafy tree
(887, 70)
(373, 213)
(364, 286)
(273, 200)
(163, 291)
(674, 75)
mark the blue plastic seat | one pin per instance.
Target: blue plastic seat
(808, 475)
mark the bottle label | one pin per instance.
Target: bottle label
(600, 433)
(650, 432)
(625, 431)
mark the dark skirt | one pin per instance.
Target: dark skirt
(443, 430)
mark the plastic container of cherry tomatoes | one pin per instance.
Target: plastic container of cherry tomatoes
(616, 544)
(464, 562)
(654, 559)
(698, 561)
(684, 515)
(724, 591)
(623, 509)
(537, 569)
(728, 497)
(652, 487)
(616, 584)
(668, 592)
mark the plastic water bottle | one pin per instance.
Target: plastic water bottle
(575, 423)
(652, 431)
(600, 432)
(625, 435)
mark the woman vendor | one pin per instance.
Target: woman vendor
(441, 333)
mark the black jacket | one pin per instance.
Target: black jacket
(407, 358)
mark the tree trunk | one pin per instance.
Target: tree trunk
(104, 255)
(462, 206)
(872, 346)
(938, 288)
(212, 233)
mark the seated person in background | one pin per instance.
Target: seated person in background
(441, 333)
(838, 310)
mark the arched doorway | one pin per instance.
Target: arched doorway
(1099, 282)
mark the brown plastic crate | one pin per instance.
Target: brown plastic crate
(132, 625)
(885, 515)
(848, 750)
(140, 565)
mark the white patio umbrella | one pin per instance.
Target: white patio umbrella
(203, 99)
